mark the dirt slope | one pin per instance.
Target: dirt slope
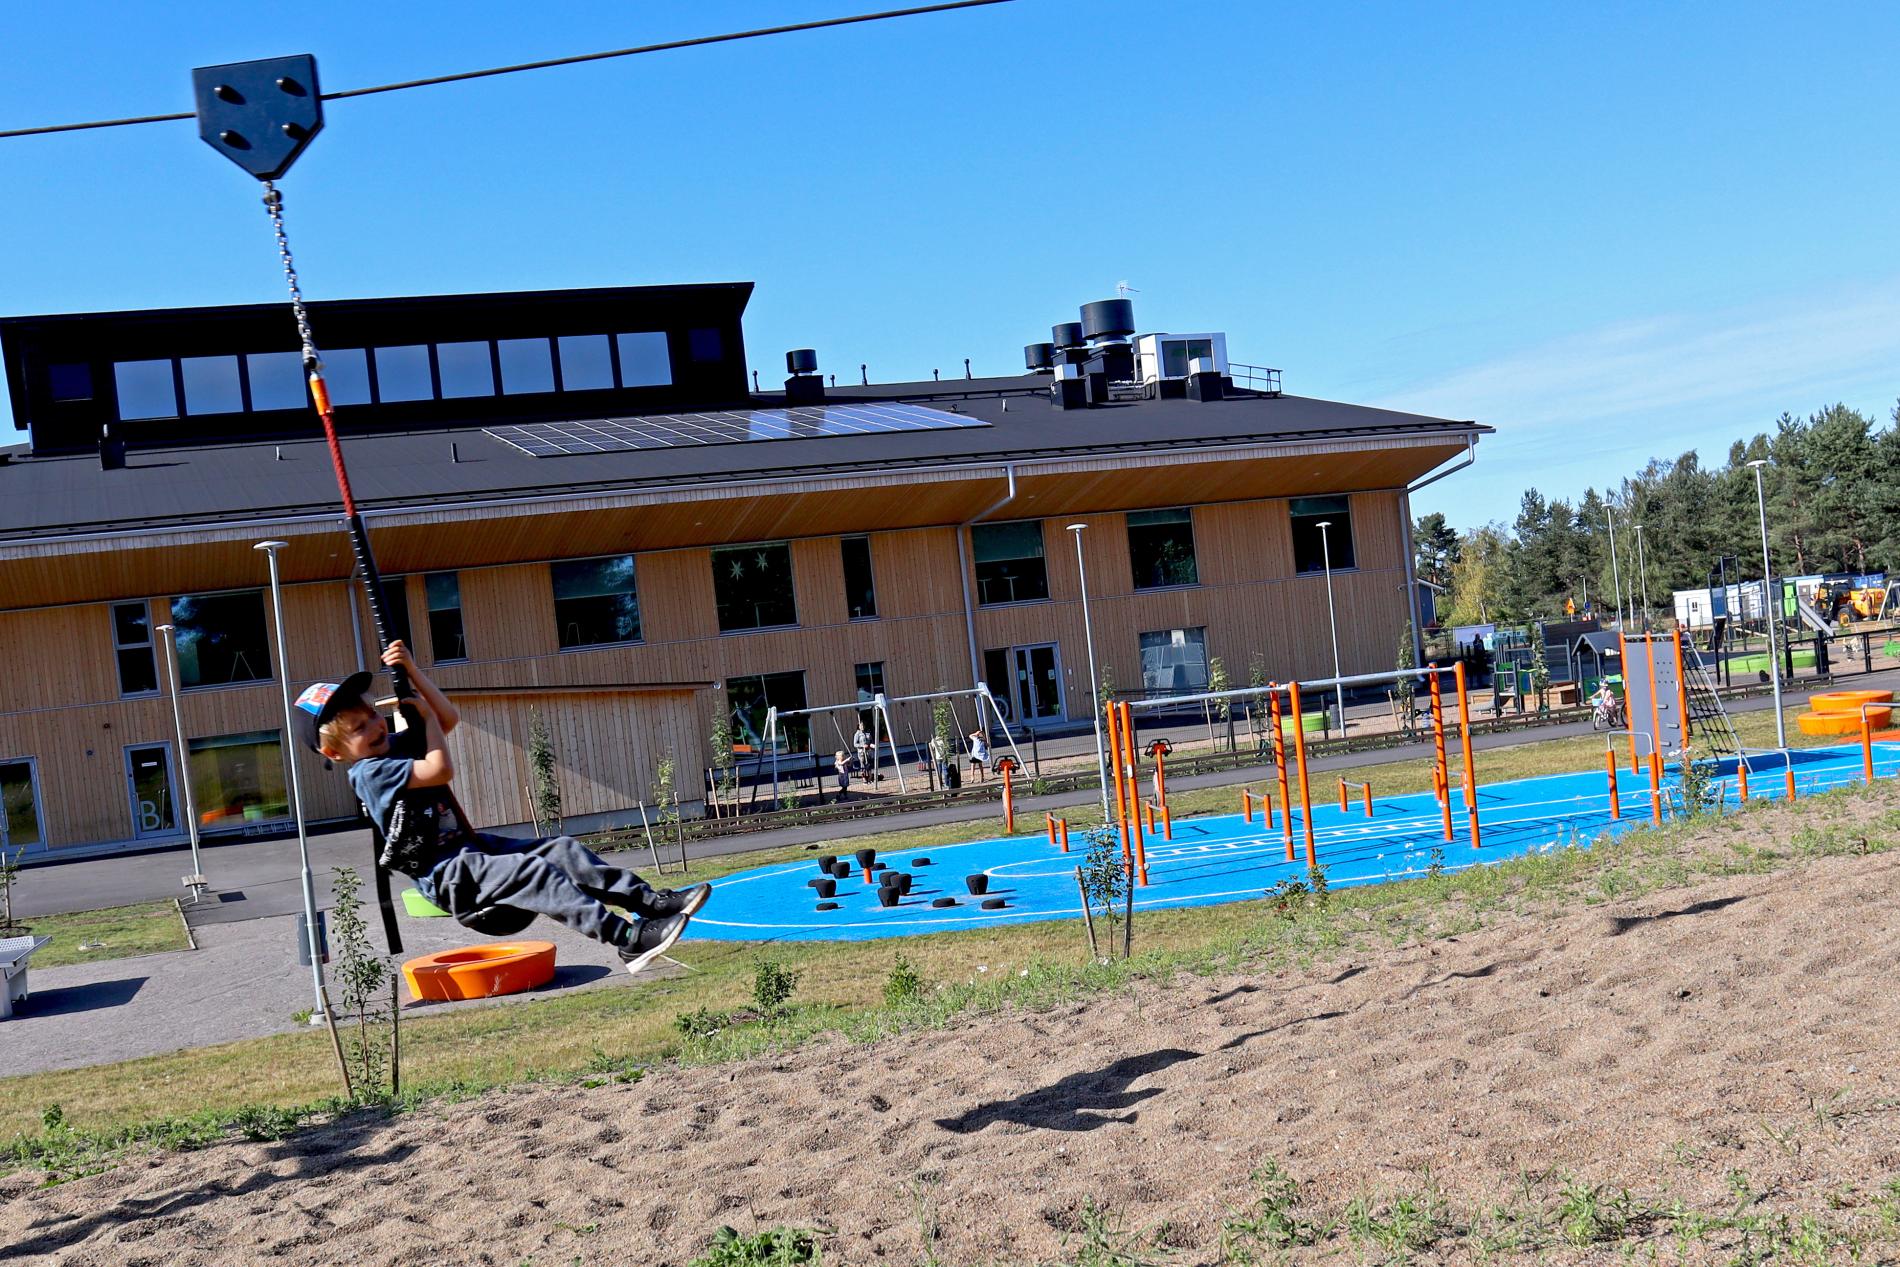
(1659, 1044)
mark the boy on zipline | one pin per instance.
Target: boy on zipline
(403, 782)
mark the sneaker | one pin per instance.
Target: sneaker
(653, 938)
(678, 901)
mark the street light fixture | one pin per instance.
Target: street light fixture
(1767, 610)
(317, 1017)
(1326, 560)
(1616, 573)
(1088, 633)
(196, 880)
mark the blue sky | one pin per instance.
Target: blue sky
(1611, 231)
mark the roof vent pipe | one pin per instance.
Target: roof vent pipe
(1039, 358)
(804, 386)
(1108, 320)
(111, 451)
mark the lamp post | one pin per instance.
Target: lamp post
(1088, 634)
(1768, 608)
(270, 549)
(196, 880)
(1326, 560)
(1616, 573)
(1642, 570)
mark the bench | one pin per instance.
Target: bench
(14, 953)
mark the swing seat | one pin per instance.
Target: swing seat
(497, 921)
(481, 972)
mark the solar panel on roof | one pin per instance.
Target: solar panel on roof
(672, 431)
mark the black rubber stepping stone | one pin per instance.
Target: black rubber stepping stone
(866, 857)
(827, 906)
(887, 879)
(942, 902)
(903, 883)
(841, 868)
(826, 888)
(888, 895)
(880, 866)
(825, 860)
(920, 862)
(815, 881)
(977, 884)
(994, 903)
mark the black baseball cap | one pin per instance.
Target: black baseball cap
(321, 701)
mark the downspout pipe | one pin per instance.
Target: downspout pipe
(963, 570)
(1411, 548)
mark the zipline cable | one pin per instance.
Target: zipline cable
(576, 59)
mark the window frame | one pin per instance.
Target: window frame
(38, 803)
(1141, 657)
(1041, 557)
(870, 569)
(803, 722)
(639, 617)
(120, 648)
(1334, 537)
(791, 587)
(271, 652)
(226, 825)
(429, 612)
(1193, 558)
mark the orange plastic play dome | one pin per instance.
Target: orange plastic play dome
(1847, 702)
(1841, 723)
(481, 972)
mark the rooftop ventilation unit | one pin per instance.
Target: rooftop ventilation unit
(805, 386)
(1039, 358)
(1163, 362)
(1108, 320)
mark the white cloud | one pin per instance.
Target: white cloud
(1647, 371)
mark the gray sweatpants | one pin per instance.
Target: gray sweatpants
(558, 877)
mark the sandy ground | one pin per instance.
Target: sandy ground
(1742, 1025)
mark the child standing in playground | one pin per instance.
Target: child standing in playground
(403, 781)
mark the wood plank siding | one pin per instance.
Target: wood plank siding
(620, 708)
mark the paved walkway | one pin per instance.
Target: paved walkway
(243, 981)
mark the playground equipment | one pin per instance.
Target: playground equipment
(1843, 712)
(879, 707)
(1125, 764)
(481, 972)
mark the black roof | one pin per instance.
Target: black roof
(43, 496)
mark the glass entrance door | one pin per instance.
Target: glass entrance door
(1037, 684)
(148, 768)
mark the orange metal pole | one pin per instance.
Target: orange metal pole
(1464, 743)
(1867, 745)
(1167, 823)
(1065, 834)
(1790, 771)
(1299, 756)
(1049, 826)
(1655, 704)
(1115, 771)
(1655, 787)
(1682, 691)
(1009, 802)
(1368, 788)
(1279, 765)
(1609, 762)
(1741, 778)
(1128, 746)
(1623, 661)
(1342, 796)
(1246, 805)
(1161, 779)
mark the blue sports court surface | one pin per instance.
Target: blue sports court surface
(1223, 858)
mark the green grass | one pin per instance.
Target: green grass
(841, 986)
(116, 932)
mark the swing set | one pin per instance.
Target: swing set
(879, 706)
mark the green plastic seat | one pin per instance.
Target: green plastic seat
(420, 906)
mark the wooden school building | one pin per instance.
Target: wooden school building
(593, 515)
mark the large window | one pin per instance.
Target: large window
(587, 363)
(402, 373)
(465, 369)
(860, 588)
(1009, 565)
(1311, 551)
(1174, 660)
(1178, 354)
(19, 807)
(870, 678)
(752, 587)
(145, 389)
(645, 359)
(748, 698)
(595, 603)
(1161, 546)
(444, 593)
(211, 385)
(221, 639)
(132, 636)
(239, 779)
(526, 366)
(277, 379)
